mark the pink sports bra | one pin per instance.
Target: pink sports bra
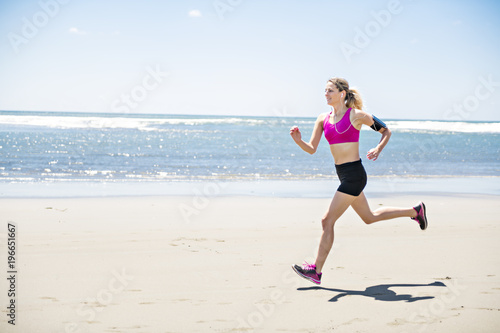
(342, 131)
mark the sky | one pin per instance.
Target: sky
(410, 59)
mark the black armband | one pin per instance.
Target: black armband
(377, 124)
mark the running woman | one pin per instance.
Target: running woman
(341, 127)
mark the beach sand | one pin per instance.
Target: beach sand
(223, 264)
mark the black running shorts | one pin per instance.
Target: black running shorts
(352, 177)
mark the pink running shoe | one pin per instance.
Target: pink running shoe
(421, 217)
(308, 271)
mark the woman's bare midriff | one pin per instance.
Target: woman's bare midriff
(345, 152)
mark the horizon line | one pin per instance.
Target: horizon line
(118, 114)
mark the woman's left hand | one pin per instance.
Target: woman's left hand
(373, 154)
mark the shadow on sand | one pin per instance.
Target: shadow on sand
(380, 292)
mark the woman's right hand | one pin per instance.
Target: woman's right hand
(295, 133)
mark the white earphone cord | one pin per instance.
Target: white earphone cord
(335, 123)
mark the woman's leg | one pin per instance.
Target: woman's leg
(340, 203)
(361, 207)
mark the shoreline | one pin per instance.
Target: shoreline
(309, 188)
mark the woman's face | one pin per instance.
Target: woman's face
(332, 94)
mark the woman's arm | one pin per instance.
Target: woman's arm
(375, 152)
(369, 120)
(311, 146)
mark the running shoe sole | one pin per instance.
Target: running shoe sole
(423, 224)
(295, 268)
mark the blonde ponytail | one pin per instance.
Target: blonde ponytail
(352, 97)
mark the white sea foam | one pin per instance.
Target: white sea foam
(444, 126)
(159, 123)
(151, 124)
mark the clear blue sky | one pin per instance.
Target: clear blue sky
(425, 60)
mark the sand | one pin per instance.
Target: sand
(222, 264)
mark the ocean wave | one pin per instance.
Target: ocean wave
(166, 123)
(146, 124)
(444, 126)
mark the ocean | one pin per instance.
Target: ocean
(50, 147)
